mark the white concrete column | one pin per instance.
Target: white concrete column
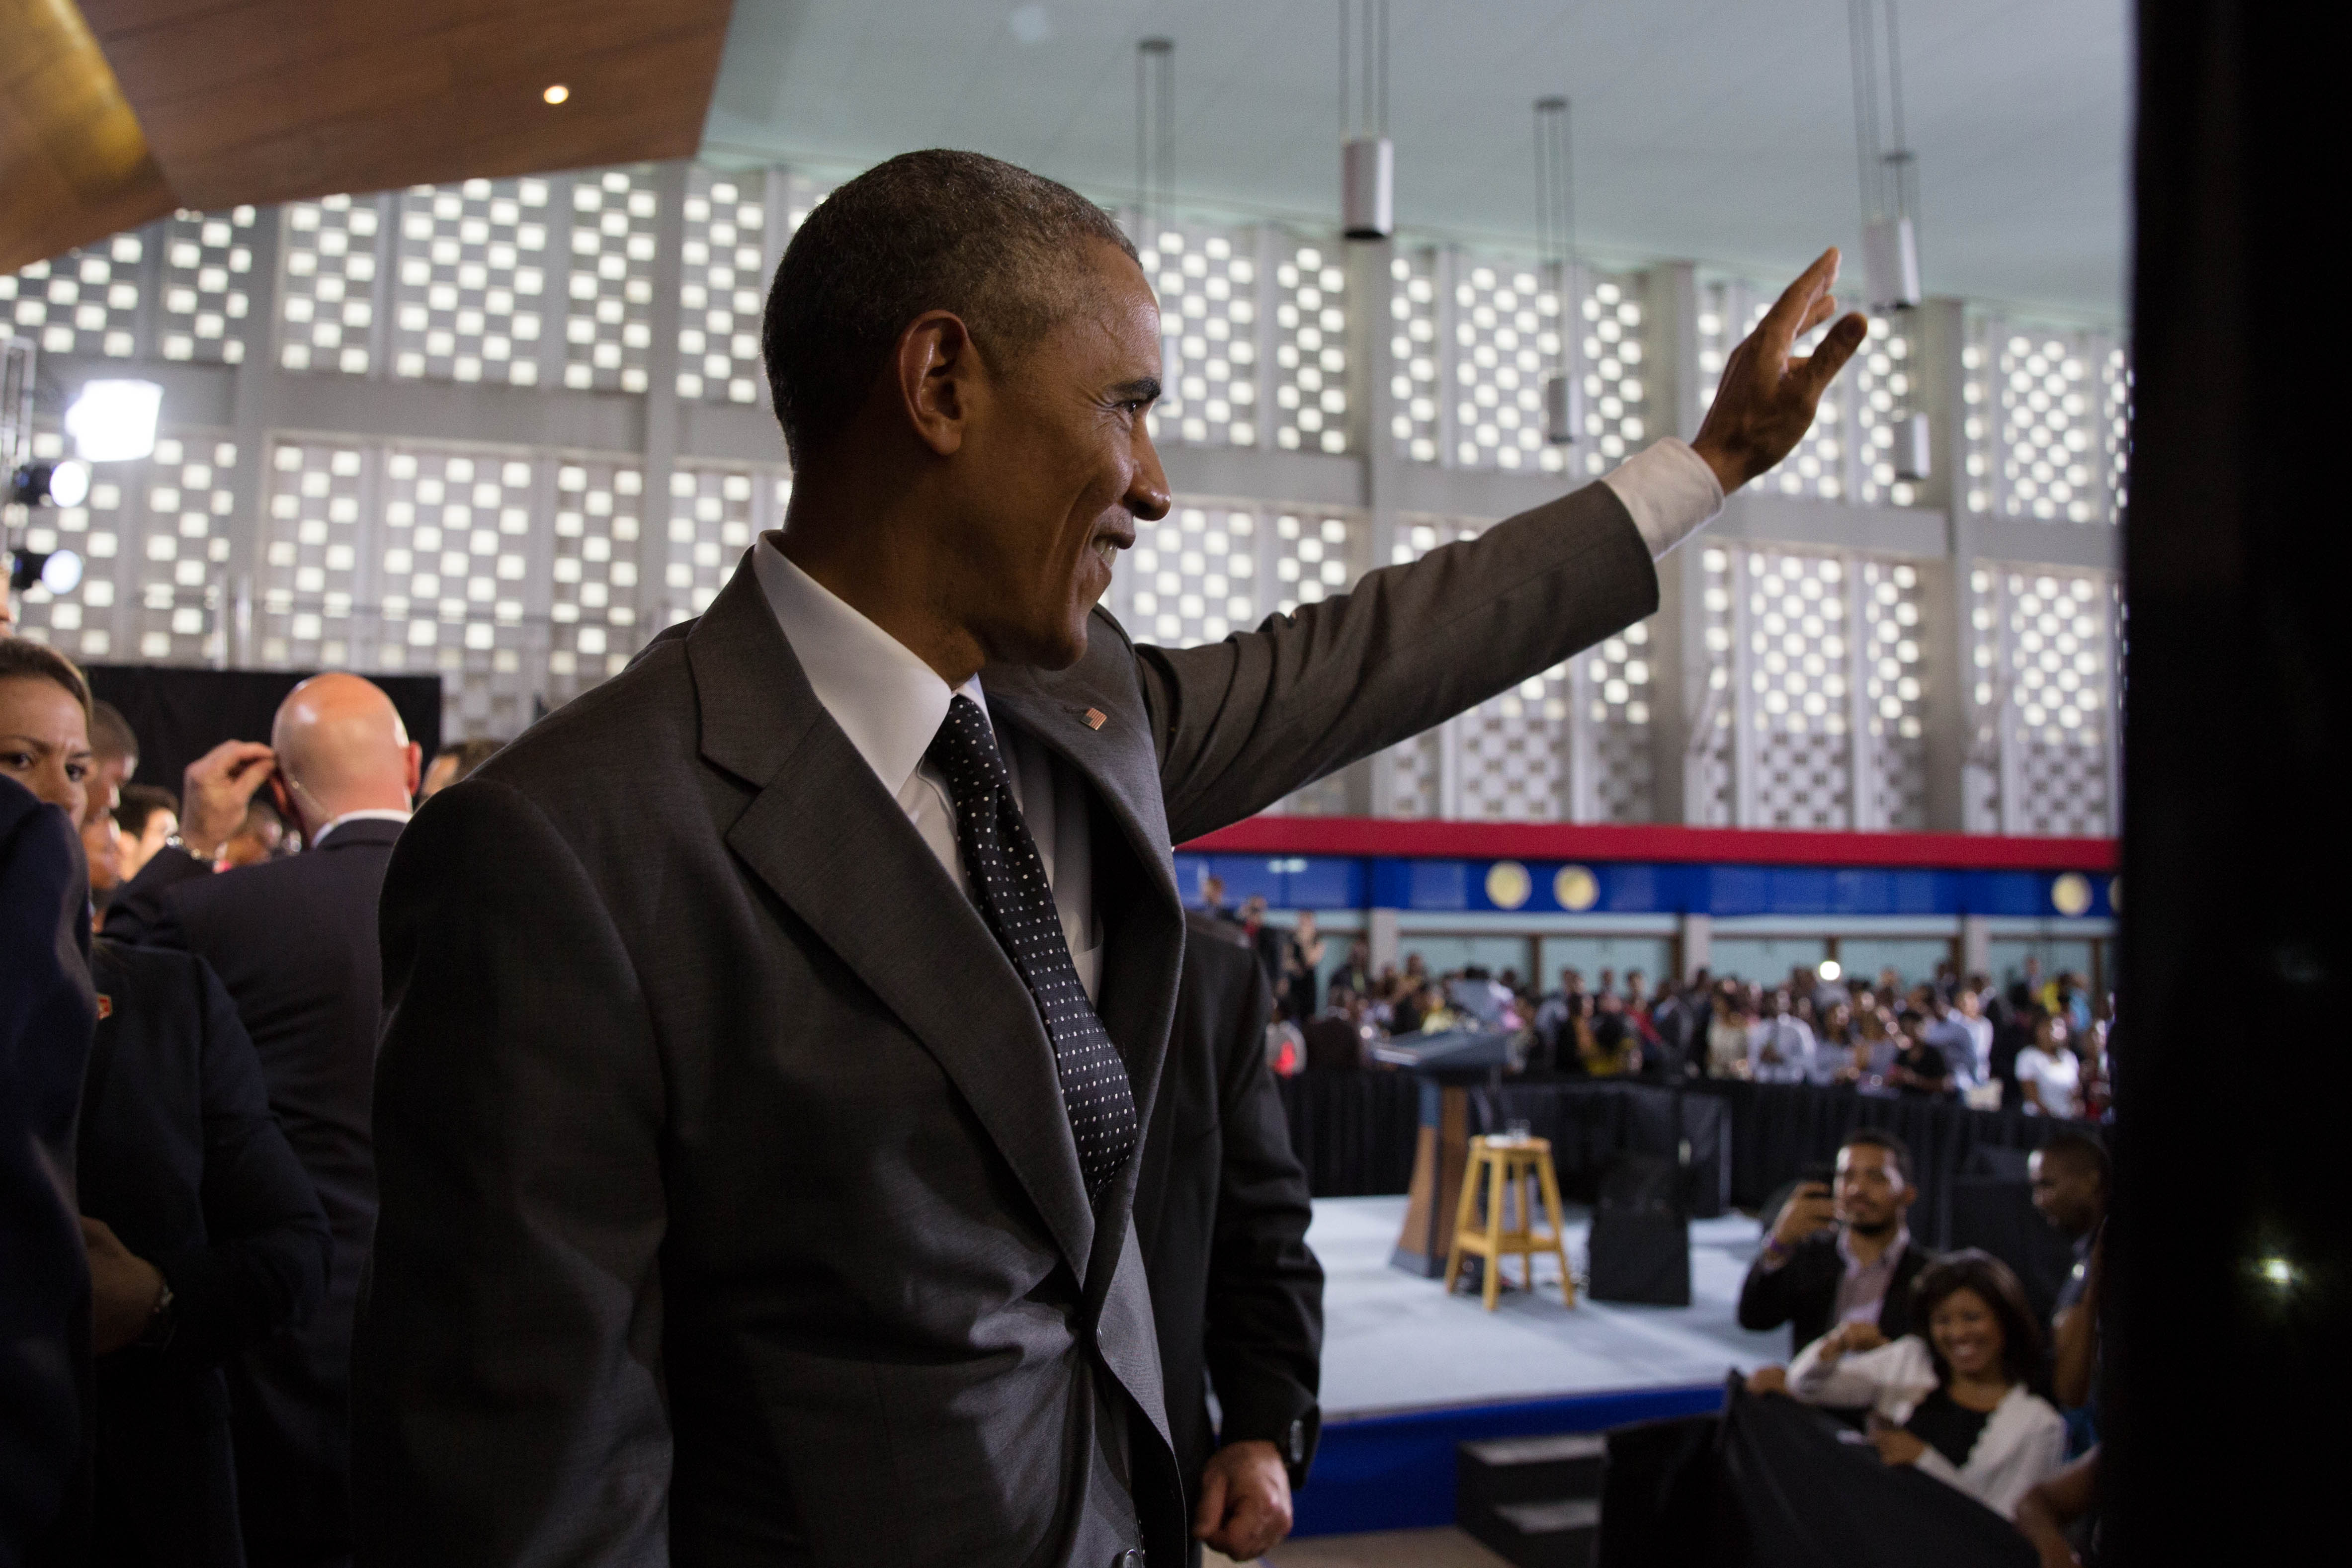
(1697, 944)
(1380, 934)
(1976, 946)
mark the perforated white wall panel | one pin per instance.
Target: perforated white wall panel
(1615, 399)
(83, 302)
(208, 282)
(1506, 332)
(1708, 765)
(1192, 576)
(312, 535)
(714, 515)
(1310, 356)
(1894, 693)
(592, 610)
(614, 215)
(1416, 353)
(470, 294)
(1207, 280)
(1797, 626)
(326, 284)
(2052, 667)
(722, 284)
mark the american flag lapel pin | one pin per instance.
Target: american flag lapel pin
(1096, 719)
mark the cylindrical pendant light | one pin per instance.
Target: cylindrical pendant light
(1890, 242)
(1367, 159)
(1555, 249)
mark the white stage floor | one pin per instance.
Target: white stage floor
(1394, 1342)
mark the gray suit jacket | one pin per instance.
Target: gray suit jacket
(729, 1211)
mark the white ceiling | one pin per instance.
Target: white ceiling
(1720, 130)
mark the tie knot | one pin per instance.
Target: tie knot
(965, 751)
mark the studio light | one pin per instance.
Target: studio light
(556, 92)
(70, 484)
(114, 421)
(60, 571)
(49, 485)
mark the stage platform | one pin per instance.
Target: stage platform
(1409, 1371)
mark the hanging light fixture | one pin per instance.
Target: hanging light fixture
(1556, 248)
(1155, 139)
(1367, 159)
(1890, 206)
(1890, 244)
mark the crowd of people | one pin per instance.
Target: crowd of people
(1939, 1363)
(220, 1145)
(223, 1155)
(2041, 1044)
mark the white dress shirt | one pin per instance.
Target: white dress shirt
(890, 704)
(369, 814)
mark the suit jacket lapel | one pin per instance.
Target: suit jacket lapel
(1143, 936)
(829, 842)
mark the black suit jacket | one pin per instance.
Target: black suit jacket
(294, 941)
(1222, 1211)
(730, 1212)
(181, 1156)
(46, 1013)
(1802, 1291)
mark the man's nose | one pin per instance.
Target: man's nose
(1147, 493)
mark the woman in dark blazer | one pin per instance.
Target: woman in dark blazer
(204, 1237)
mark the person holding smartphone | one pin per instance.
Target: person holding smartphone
(1839, 1251)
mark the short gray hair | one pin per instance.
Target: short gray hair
(936, 230)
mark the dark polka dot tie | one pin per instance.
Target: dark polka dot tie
(1008, 882)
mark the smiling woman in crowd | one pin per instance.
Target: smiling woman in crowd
(1959, 1396)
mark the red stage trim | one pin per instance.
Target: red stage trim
(1593, 842)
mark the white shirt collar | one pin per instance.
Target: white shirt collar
(370, 814)
(886, 700)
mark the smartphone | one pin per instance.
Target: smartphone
(1819, 1171)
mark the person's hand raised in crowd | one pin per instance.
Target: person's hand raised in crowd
(1244, 1509)
(1766, 401)
(123, 1288)
(215, 792)
(1847, 1338)
(1807, 1211)
(1894, 1446)
(1769, 1380)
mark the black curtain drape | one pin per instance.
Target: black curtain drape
(2227, 1322)
(1355, 1132)
(179, 714)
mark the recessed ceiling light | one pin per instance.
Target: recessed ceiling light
(556, 93)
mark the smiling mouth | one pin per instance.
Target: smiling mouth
(1106, 548)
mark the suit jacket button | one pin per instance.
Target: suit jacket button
(1130, 1558)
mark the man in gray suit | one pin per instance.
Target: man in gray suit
(771, 1029)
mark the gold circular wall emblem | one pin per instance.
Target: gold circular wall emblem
(1576, 888)
(1508, 884)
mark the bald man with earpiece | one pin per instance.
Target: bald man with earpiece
(295, 942)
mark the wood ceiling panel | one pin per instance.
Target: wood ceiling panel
(266, 100)
(72, 161)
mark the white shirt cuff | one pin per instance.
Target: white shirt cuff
(1670, 490)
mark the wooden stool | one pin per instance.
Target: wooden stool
(1513, 1164)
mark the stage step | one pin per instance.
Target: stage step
(1535, 1500)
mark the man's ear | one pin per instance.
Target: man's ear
(937, 371)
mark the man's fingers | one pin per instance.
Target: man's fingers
(1821, 367)
(1823, 306)
(1211, 1511)
(1780, 329)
